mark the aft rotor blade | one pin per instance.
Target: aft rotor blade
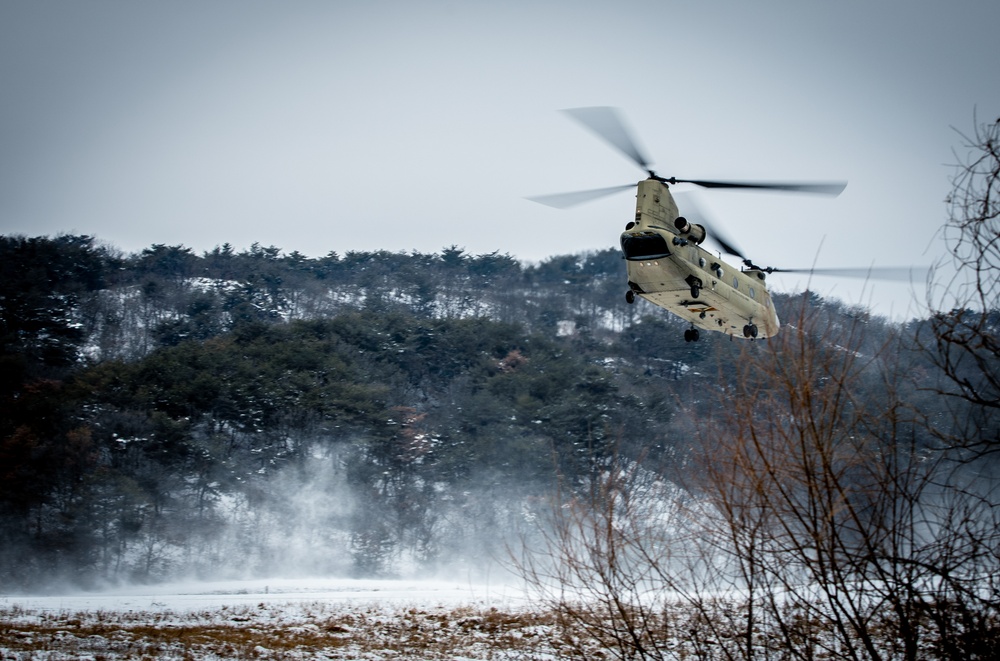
(821, 188)
(692, 210)
(567, 200)
(608, 125)
(892, 273)
(727, 246)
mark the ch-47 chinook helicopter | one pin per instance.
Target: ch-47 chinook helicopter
(666, 263)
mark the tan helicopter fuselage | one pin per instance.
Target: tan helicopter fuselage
(668, 267)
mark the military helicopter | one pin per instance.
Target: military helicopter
(666, 262)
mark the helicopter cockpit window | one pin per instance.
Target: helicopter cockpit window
(644, 246)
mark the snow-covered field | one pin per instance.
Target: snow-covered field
(280, 619)
(195, 596)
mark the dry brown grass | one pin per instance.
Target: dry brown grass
(323, 630)
(266, 632)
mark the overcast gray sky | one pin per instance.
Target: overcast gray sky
(407, 125)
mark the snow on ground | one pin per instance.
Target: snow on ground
(280, 619)
(196, 596)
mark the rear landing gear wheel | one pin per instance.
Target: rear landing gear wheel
(691, 335)
(695, 291)
(630, 297)
(750, 330)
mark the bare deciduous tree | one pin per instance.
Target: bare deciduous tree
(965, 325)
(809, 520)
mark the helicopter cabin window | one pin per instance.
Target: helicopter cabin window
(644, 246)
(753, 294)
(736, 282)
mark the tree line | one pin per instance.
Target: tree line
(158, 408)
(155, 402)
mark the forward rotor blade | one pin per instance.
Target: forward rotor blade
(892, 273)
(608, 125)
(567, 200)
(823, 188)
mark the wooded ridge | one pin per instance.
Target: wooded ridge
(167, 414)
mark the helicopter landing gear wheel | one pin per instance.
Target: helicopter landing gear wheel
(750, 330)
(630, 297)
(691, 335)
(695, 291)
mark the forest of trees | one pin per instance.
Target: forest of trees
(164, 412)
(167, 414)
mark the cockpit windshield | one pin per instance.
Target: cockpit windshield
(644, 246)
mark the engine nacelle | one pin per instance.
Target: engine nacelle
(690, 231)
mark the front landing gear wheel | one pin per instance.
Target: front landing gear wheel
(750, 330)
(695, 291)
(691, 335)
(630, 297)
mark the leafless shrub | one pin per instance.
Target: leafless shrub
(806, 522)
